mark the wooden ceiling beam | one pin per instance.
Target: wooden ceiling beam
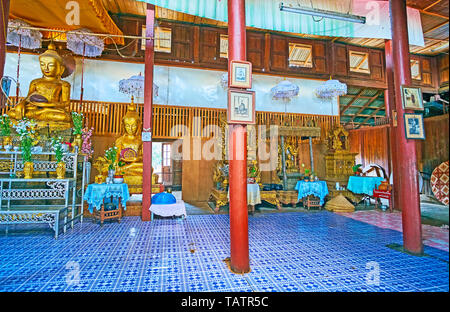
(352, 101)
(432, 5)
(370, 116)
(366, 105)
(435, 27)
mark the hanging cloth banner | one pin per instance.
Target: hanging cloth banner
(378, 24)
(265, 14)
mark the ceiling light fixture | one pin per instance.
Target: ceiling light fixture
(324, 13)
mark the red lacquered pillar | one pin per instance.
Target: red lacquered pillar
(148, 114)
(389, 100)
(239, 247)
(4, 17)
(406, 167)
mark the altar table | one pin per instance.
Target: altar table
(363, 185)
(96, 194)
(316, 188)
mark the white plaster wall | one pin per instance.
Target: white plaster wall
(177, 85)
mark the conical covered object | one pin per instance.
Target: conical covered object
(339, 204)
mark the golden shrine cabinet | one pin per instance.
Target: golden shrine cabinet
(339, 162)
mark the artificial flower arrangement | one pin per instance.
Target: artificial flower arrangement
(57, 147)
(5, 130)
(111, 157)
(77, 119)
(86, 147)
(26, 129)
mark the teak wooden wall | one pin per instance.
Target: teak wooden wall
(199, 46)
(372, 144)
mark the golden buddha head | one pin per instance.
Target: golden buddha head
(131, 121)
(52, 64)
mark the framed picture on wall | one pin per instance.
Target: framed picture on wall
(241, 107)
(412, 98)
(414, 128)
(240, 74)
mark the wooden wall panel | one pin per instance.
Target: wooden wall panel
(429, 73)
(443, 69)
(209, 42)
(255, 50)
(340, 60)
(279, 48)
(435, 148)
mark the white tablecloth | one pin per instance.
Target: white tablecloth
(177, 209)
(253, 194)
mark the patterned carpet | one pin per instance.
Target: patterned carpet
(290, 252)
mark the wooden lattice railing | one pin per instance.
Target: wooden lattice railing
(106, 118)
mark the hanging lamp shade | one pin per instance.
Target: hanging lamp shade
(285, 90)
(23, 37)
(330, 89)
(135, 86)
(82, 43)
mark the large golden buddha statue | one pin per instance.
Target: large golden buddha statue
(48, 97)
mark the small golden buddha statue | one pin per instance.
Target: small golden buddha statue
(129, 147)
(48, 97)
(129, 151)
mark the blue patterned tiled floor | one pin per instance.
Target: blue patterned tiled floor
(289, 252)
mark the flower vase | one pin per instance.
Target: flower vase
(7, 141)
(61, 170)
(28, 169)
(77, 141)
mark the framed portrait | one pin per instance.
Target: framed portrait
(414, 128)
(241, 107)
(412, 98)
(240, 74)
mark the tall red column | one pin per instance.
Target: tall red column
(389, 100)
(148, 114)
(406, 167)
(239, 249)
(4, 17)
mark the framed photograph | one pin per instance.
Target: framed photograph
(412, 98)
(241, 107)
(240, 74)
(414, 128)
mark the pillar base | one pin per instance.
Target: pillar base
(232, 270)
(400, 248)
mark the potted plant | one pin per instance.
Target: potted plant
(57, 147)
(306, 178)
(356, 169)
(5, 130)
(77, 119)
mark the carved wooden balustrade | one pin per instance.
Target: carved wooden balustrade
(172, 122)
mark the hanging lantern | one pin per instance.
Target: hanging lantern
(82, 43)
(330, 89)
(285, 90)
(135, 86)
(23, 37)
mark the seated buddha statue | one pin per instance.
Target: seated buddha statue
(129, 152)
(48, 97)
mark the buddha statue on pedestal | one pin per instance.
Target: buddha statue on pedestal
(129, 152)
(48, 97)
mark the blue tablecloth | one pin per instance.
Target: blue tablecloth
(95, 193)
(316, 188)
(363, 185)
